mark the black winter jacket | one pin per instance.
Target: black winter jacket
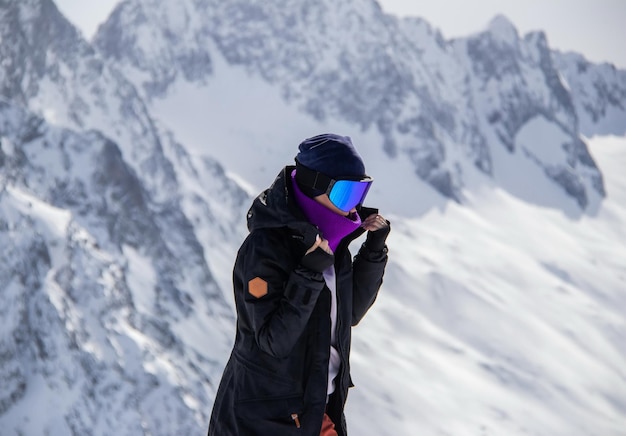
(275, 381)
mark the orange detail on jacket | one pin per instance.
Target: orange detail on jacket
(257, 287)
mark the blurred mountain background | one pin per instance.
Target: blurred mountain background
(128, 162)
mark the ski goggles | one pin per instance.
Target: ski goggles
(346, 193)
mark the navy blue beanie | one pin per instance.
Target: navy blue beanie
(331, 154)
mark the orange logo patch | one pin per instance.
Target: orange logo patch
(257, 287)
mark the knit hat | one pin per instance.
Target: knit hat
(331, 154)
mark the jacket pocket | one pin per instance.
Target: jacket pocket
(254, 382)
(270, 416)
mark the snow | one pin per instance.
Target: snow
(538, 137)
(46, 400)
(142, 279)
(503, 29)
(502, 318)
(52, 222)
(585, 80)
(246, 142)
(256, 144)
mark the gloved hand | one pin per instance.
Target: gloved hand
(375, 240)
(319, 257)
(378, 229)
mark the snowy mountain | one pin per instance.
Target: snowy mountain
(127, 166)
(501, 318)
(598, 93)
(447, 107)
(110, 246)
(97, 291)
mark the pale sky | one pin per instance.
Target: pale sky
(594, 28)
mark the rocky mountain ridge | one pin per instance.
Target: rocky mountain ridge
(440, 104)
(107, 244)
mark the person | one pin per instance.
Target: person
(298, 292)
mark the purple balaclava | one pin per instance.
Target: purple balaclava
(333, 227)
(334, 156)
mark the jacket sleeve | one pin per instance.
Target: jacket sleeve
(278, 294)
(368, 270)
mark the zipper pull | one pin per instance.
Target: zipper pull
(295, 419)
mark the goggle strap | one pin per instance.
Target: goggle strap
(312, 179)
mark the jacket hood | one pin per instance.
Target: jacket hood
(276, 207)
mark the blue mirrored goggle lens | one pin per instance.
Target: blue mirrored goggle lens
(346, 194)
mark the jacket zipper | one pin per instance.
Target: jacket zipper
(295, 419)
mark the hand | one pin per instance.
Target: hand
(306, 237)
(319, 256)
(374, 222)
(321, 243)
(378, 229)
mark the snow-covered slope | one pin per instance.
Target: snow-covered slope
(113, 277)
(111, 316)
(501, 318)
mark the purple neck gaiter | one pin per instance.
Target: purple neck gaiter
(333, 227)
